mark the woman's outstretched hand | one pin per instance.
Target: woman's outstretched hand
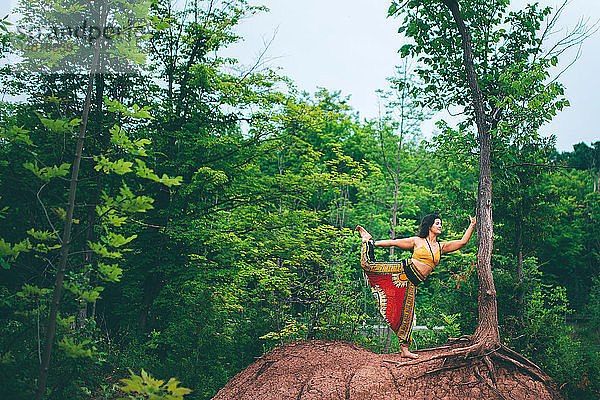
(473, 221)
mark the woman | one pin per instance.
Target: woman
(394, 283)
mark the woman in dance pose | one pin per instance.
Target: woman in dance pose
(394, 283)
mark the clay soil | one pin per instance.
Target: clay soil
(323, 370)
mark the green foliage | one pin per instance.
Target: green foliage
(145, 387)
(47, 173)
(13, 251)
(110, 273)
(59, 126)
(89, 296)
(593, 306)
(546, 309)
(441, 328)
(552, 343)
(74, 350)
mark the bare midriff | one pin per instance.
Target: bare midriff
(423, 268)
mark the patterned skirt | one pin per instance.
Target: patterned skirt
(394, 285)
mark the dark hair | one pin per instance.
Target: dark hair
(426, 223)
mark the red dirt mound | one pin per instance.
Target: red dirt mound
(323, 370)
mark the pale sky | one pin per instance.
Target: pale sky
(350, 45)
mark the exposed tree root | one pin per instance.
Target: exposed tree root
(493, 388)
(487, 352)
(492, 369)
(446, 346)
(463, 352)
(533, 372)
(466, 338)
(394, 380)
(519, 357)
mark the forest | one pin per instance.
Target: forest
(183, 220)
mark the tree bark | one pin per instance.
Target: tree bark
(397, 172)
(520, 277)
(66, 239)
(396, 189)
(487, 329)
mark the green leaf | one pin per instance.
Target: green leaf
(119, 167)
(47, 173)
(116, 240)
(73, 350)
(110, 273)
(102, 251)
(145, 385)
(168, 181)
(42, 235)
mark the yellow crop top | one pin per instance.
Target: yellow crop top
(424, 255)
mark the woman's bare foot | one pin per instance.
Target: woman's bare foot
(365, 236)
(406, 353)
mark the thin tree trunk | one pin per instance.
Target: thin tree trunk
(66, 238)
(82, 314)
(487, 328)
(394, 218)
(520, 273)
(39, 343)
(397, 173)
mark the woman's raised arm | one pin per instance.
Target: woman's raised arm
(452, 245)
(405, 243)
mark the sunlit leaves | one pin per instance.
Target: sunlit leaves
(30, 291)
(119, 167)
(88, 294)
(47, 173)
(170, 181)
(125, 202)
(42, 235)
(59, 126)
(75, 350)
(134, 112)
(146, 387)
(103, 251)
(12, 251)
(110, 272)
(16, 134)
(116, 240)
(133, 147)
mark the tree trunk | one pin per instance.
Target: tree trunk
(397, 172)
(520, 278)
(82, 314)
(487, 329)
(394, 216)
(66, 239)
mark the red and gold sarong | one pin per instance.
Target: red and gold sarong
(394, 291)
